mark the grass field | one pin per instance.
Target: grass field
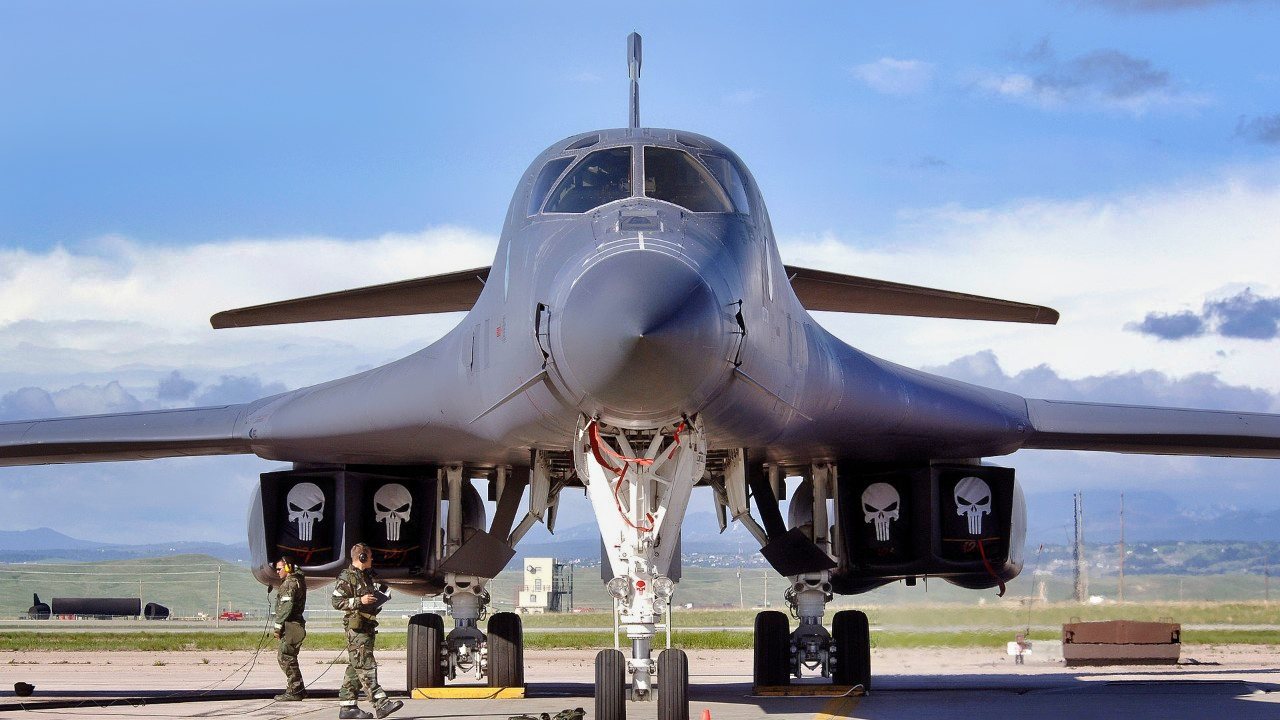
(189, 584)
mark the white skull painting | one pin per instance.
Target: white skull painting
(306, 507)
(392, 505)
(973, 499)
(880, 506)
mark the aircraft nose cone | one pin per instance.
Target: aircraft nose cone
(642, 337)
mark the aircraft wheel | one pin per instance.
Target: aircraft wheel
(673, 685)
(506, 650)
(611, 685)
(772, 664)
(851, 635)
(426, 638)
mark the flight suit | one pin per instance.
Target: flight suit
(361, 625)
(290, 627)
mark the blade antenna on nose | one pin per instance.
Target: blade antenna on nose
(633, 70)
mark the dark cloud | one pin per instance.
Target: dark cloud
(1110, 72)
(1148, 387)
(233, 389)
(174, 387)
(1177, 326)
(1243, 315)
(1264, 130)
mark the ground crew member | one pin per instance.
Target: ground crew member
(290, 626)
(354, 594)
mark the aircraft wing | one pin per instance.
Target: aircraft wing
(127, 436)
(821, 290)
(1060, 425)
(450, 292)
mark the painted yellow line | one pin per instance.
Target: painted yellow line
(839, 707)
(467, 693)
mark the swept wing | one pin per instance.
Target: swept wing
(1060, 425)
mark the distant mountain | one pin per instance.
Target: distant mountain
(42, 539)
(49, 544)
(1149, 517)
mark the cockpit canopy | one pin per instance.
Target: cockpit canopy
(702, 182)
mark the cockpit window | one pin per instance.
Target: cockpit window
(676, 177)
(602, 177)
(727, 173)
(546, 176)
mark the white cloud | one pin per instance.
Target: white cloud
(123, 310)
(895, 77)
(1102, 262)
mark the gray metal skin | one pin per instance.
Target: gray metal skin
(639, 327)
(630, 313)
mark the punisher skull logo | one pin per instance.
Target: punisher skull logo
(392, 505)
(973, 500)
(306, 508)
(880, 506)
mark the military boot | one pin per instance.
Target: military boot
(291, 696)
(353, 712)
(388, 707)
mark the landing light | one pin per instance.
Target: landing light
(663, 587)
(617, 587)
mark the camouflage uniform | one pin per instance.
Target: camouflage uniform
(361, 626)
(291, 600)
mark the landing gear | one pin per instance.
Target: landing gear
(804, 554)
(506, 650)
(470, 557)
(772, 662)
(673, 685)
(639, 483)
(611, 685)
(851, 649)
(426, 638)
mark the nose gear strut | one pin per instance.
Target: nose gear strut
(639, 483)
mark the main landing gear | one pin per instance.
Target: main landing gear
(471, 556)
(801, 549)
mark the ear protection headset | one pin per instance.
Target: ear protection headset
(285, 565)
(361, 552)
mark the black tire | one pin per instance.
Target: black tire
(506, 650)
(851, 634)
(611, 685)
(426, 638)
(772, 664)
(673, 685)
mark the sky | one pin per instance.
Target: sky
(1118, 160)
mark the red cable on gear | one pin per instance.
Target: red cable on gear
(987, 564)
(593, 432)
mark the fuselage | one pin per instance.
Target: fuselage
(637, 281)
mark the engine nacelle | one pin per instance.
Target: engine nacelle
(965, 524)
(316, 514)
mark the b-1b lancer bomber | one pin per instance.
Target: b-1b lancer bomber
(638, 335)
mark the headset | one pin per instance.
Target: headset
(361, 552)
(287, 564)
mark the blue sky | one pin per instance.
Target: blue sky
(1116, 159)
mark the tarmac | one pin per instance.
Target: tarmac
(1220, 682)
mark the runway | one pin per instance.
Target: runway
(1218, 683)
